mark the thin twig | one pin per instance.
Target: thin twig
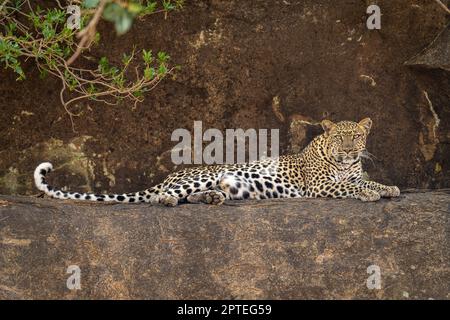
(88, 33)
(79, 83)
(3, 4)
(443, 6)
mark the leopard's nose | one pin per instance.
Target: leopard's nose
(347, 150)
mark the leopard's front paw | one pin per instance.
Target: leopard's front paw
(215, 198)
(390, 192)
(369, 195)
(210, 197)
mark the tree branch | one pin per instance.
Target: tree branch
(443, 6)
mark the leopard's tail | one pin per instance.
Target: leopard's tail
(39, 179)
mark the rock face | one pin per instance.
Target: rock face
(278, 249)
(247, 64)
(436, 56)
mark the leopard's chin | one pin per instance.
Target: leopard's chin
(346, 160)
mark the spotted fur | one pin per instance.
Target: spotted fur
(330, 166)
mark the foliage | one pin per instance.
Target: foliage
(43, 35)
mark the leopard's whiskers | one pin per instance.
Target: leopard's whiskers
(367, 155)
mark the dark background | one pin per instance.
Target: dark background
(237, 57)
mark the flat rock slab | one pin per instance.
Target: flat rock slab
(278, 249)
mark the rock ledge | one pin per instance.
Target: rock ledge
(278, 249)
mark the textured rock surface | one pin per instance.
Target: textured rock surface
(268, 249)
(249, 64)
(437, 55)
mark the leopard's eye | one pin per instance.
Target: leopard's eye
(358, 135)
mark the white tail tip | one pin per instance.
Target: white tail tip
(39, 173)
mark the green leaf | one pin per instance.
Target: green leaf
(122, 18)
(112, 11)
(19, 71)
(150, 7)
(113, 71)
(89, 4)
(43, 74)
(138, 93)
(119, 80)
(162, 70)
(103, 65)
(11, 28)
(123, 23)
(126, 59)
(97, 38)
(135, 8)
(149, 73)
(147, 56)
(91, 89)
(47, 31)
(163, 57)
(167, 5)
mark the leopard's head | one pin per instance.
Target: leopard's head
(346, 140)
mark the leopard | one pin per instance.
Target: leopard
(329, 166)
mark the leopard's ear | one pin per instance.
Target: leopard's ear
(366, 124)
(327, 125)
